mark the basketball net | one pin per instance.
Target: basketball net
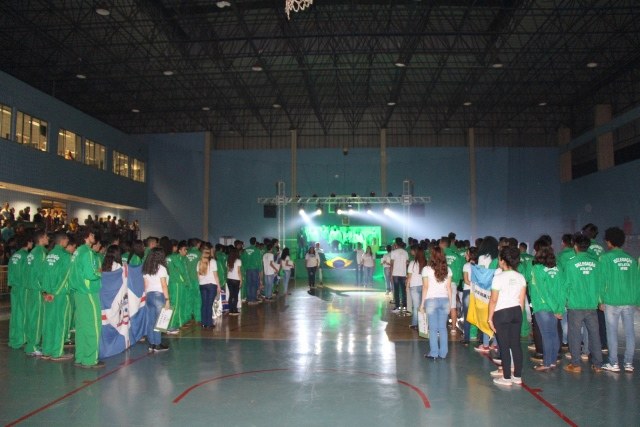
(296, 6)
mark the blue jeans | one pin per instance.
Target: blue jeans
(548, 325)
(590, 320)
(387, 279)
(368, 276)
(253, 280)
(416, 299)
(400, 291)
(208, 295)
(612, 314)
(268, 285)
(466, 326)
(285, 282)
(437, 312)
(359, 273)
(155, 302)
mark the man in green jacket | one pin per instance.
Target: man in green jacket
(33, 285)
(619, 294)
(455, 263)
(178, 278)
(56, 301)
(251, 259)
(17, 278)
(194, 300)
(567, 251)
(582, 282)
(596, 250)
(85, 280)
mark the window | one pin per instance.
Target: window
(5, 122)
(137, 170)
(120, 164)
(95, 154)
(69, 145)
(31, 131)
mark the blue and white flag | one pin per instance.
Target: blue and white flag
(137, 298)
(478, 312)
(114, 302)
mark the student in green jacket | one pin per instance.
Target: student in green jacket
(567, 251)
(596, 250)
(194, 299)
(33, 285)
(178, 277)
(136, 255)
(251, 259)
(582, 282)
(56, 301)
(17, 278)
(548, 300)
(619, 294)
(71, 313)
(85, 280)
(455, 263)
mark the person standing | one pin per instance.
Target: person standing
(359, 255)
(234, 280)
(194, 299)
(286, 265)
(399, 261)
(596, 250)
(56, 301)
(252, 263)
(414, 279)
(35, 269)
(311, 262)
(619, 295)
(436, 300)
(369, 264)
(178, 286)
(17, 276)
(155, 275)
(209, 285)
(386, 268)
(270, 270)
(471, 256)
(455, 263)
(84, 279)
(506, 304)
(582, 282)
(321, 260)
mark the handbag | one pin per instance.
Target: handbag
(423, 324)
(162, 324)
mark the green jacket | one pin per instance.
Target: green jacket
(177, 269)
(251, 258)
(35, 267)
(583, 282)
(134, 261)
(221, 259)
(192, 258)
(565, 255)
(56, 269)
(547, 289)
(595, 249)
(84, 272)
(620, 278)
(17, 268)
(455, 263)
(524, 268)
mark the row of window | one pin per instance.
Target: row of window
(33, 132)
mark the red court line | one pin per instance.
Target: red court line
(536, 393)
(419, 392)
(74, 391)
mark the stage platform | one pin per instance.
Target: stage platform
(334, 358)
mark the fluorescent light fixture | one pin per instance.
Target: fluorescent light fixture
(168, 72)
(135, 110)
(81, 76)
(592, 64)
(206, 108)
(276, 105)
(391, 104)
(467, 104)
(542, 104)
(223, 4)
(256, 67)
(103, 11)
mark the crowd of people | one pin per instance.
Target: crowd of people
(572, 300)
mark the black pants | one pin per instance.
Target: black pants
(508, 322)
(602, 326)
(234, 289)
(400, 291)
(311, 273)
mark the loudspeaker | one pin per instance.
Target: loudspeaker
(270, 211)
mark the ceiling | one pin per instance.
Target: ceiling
(330, 70)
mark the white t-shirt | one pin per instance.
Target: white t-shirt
(416, 277)
(267, 259)
(359, 256)
(386, 260)
(311, 260)
(368, 260)
(436, 289)
(233, 272)
(286, 263)
(399, 257)
(152, 281)
(208, 278)
(116, 266)
(467, 269)
(508, 284)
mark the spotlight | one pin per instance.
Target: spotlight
(339, 211)
(301, 210)
(372, 194)
(318, 210)
(387, 211)
(390, 194)
(314, 195)
(354, 195)
(368, 208)
(333, 195)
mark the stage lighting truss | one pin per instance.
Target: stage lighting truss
(344, 200)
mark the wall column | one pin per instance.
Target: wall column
(564, 138)
(383, 162)
(206, 162)
(604, 142)
(471, 140)
(294, 177)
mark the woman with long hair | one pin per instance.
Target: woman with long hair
(286, 265)
(436, 300)
(414, 282)
(505, 314)
(234, 279)
(311, 262)
(112, 259)
(209, 283)
(155, 276)
(369, 263)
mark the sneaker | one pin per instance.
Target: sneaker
(45, 357)
(496, 360)
(36, 353)
(160, 347)
(531, 347)
(541, 368)
(628, 367)
(173, 331)
(473, 339)
(498, 372)
(503, 382)
(426, 356)
(516, 380)
(151, 348)
(611, 367)
(568, 356)
(596, 369)
(98, 365)
(62, 358)
(395, 310)
(482, 349)
(575, 369)
(235, 313)
(605, 350)
(584, 357)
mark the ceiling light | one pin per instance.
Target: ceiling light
(592, 64)
(206, 108)
(277, 105)
(497, 65)
(467, 103)
(400, 63)
(223, 4)
(103, 11)
(256, 67)
(391, 103)
(81, 76)
(542, 104)
(135, 110)
(168, 73)
(446, 130)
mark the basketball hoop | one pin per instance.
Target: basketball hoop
(296, 6)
